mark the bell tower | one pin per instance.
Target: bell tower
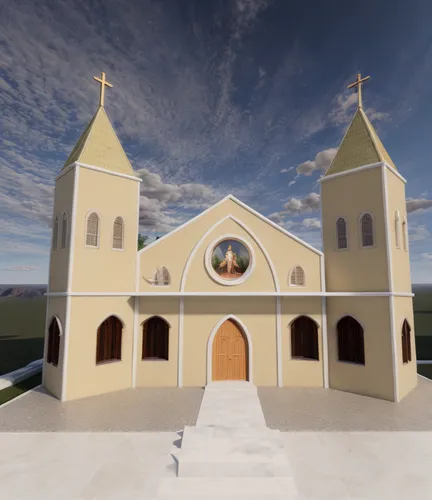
(365, 241)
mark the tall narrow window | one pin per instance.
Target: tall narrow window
(304, 338)
(155, 339)
(109, 340)
(53, 350)
(64, 230)
(350, 341)
(405, 234)
(55, 233)
(118, 234)
(397, 229)
(406, 342)
(367, 230)
(92, 230)
(341, 230)
(297, 276)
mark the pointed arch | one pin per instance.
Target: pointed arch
(109, 340)
(341, 234)
(350, 339)
(92, 230)
(406, 342)
(210, 346)
(155, 339)
(367, 230)
(54, 333)
(397, 228)
(55, 233)
(296, 276)
(65, 228)
(304, 338)
(118, 234)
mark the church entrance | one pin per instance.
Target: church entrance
(229, 360)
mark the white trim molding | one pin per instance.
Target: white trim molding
(180, 345)
(97, 169)
(210, 346)
(364, 167)
(209, 254)
(135, 340)
(279, 343)
(324, 339)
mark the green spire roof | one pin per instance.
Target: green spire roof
(99, 146)
(360, 146)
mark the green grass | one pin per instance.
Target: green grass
(21, 331)
(21, 387)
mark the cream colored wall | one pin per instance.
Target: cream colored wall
(201, 315)
(174, 251)
(299, 372)
(56, 306)
(156, 373)
(104, 269)
(400, 257)
(375, 378)
(84, 377)
(356, 269)
(403, 308)
(63, 196)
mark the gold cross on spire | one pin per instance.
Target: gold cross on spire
(103, 82)
(359, 83)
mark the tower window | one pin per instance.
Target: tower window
(406, 342)
(304, 338)
(64, 230)
(109, 340)
(397, 229)
(55, 233)
(367, 230)
(341, 231)
(92, 230)
(118, 234)
(53, 350)
(155, 339)
(297, 276)
(405, 234)
(350, 341)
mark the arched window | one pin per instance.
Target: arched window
(162, 276)
(297, 276)
(109, 340)
(350, 341)
(64, 230)
(304, 338)
(118, 234)
(53, 350)
(406, 342)
(341, 231)
(367, 230)
(92, 230)
(155, 339)
(405, 233)
(55, 233)
(397, 229)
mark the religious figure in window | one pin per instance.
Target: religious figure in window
(230, 259)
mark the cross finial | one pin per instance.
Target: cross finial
(103, 82)
(359, 83)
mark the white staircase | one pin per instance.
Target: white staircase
(230, 454)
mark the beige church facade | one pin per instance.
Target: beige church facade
(229, 294)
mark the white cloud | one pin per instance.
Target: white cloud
(418, 233)
(285, 170)
(312, 223)
(291, 183)
(420, 204)
(25, 268)
(321, 163)
(426, 256)
(309, 203)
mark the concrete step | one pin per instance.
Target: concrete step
(253, 461)
(194, 488)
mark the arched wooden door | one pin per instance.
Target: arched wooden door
(229, 359)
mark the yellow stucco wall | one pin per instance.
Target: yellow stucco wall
(156, 373)
(403, 308)
(375, 378)
(104, 269)
(175, 250)
(63, 196)
(400, 256)
(355, 269)
(84, 377)
(299, 372)
(52, 376)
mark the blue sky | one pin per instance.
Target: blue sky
(245, 97)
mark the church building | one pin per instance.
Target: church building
(229, 295)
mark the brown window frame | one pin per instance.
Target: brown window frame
(109, 340)
(155, 341)
(304, 339)
(350, 341)
(406, 342)
(53, 350)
